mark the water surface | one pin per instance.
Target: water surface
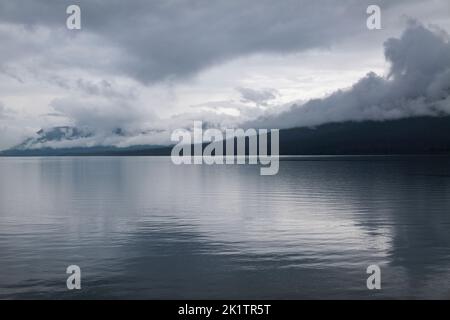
(141, 227)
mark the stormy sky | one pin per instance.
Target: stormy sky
(148, 67)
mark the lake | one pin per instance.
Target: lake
(144, 228)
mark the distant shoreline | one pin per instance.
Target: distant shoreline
(409, 136)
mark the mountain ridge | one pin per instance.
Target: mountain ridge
(419, 135)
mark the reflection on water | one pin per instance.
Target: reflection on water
(144, 228)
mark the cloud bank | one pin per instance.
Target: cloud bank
(417, 84)
(152, 41)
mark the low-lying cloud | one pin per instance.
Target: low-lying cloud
(100, 114)
(418, 84)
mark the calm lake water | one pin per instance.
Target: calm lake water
(141, 227)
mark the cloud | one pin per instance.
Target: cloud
(258, 97)
(10, 133)
(147, 66)
(173, 39)
(100, 114)
(104, 88)
(418, 84)
(5, 113)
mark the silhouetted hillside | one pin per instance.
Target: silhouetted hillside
(424, 135)
(421, 135)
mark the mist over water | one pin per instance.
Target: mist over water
(141, 227)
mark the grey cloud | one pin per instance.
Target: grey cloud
(259, 97)
(105, 88)
(102, 88)
(153, 41)
(5, 113)
(171, 39)
(2, 110)
(100, 114)
(10, 132)
(11, 73)
(418, 84)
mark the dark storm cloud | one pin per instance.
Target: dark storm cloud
(171, 39)
(418, 84)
